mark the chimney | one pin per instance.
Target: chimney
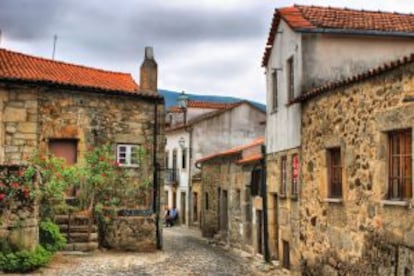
(149, 72)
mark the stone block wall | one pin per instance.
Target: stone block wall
(226, 175)
(356, 118)
(134, 233)
(283, 209)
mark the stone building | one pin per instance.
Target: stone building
(356, 197)
(66, 109)
(197, 130)
(231, 201)
(309, 46)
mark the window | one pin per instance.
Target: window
(295, 174)
(64, 148)
(334, 173)
(283, 175)
(290, 79)
(400, 165)
(255, 182)
(174, 160)
(128, 155)
(274, 90)
(167, 155)
(184, 158)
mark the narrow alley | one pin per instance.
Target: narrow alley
(185, 253)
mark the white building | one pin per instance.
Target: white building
(196, 130)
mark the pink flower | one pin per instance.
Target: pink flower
(2, 196)
(15, 185)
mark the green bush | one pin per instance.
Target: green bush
(50, 236)
(24, 261)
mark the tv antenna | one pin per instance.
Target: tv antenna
(55, 37)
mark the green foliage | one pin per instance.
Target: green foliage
(24, 261)
(50, 237)
(16, 185)
(54, 178)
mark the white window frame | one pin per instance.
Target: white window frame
(128, 152)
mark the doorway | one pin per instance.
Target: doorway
(195, 207)
(259, 221)
(224, 209)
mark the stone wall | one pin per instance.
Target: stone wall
(283, 209)
(19, 220)
(134, 233)
(338, 234)
(33, 115)
(231, 205)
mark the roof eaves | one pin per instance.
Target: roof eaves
(355, 32)
(92, 89)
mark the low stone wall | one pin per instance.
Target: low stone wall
(19, 225)
(131, 233)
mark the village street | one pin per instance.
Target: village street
(185, 253)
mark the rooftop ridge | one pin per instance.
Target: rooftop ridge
(349, 9)
(63, 62)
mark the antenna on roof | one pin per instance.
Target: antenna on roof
(55, 37)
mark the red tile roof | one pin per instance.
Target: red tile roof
(21, 67)
(204, 104)
(249, 159)
(312, 18)
(353, 79)
(232, 151)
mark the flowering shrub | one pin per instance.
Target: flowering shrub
(16, 183)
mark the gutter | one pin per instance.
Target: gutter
(355, 32)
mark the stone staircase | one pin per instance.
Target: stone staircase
(80, 232)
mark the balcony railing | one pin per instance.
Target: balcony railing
(171, 177)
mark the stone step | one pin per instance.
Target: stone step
(81, 237)
(81, 246)
(78, 228)
(74, 219)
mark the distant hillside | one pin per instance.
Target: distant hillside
(171, 99)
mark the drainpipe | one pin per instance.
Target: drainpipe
(264, 197)
(156, 167)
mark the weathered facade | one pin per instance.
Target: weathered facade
(47, 111)
(231, 201)
(211, 127)
(309, 46)
(365, 228)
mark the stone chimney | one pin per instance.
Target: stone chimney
(149, 72)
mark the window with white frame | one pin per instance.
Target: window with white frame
(128, 155)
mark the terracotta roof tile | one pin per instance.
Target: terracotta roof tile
(301, 18)
(204, 104)
(235, 150)
(353, 79)
(21, 67)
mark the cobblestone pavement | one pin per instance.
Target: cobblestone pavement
(185, 253)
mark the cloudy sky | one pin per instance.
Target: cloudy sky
(204, 46)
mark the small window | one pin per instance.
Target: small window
(128, 155)
(184, 158)
(290, 79)
(206, 201)
(167, 155)
(400, 165)
(283, 175)
(274, 90)
(174, 159)
(64, 148)
(295, 174)
(255, 182)
(334, 173)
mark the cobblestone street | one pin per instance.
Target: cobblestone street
(185, 253)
